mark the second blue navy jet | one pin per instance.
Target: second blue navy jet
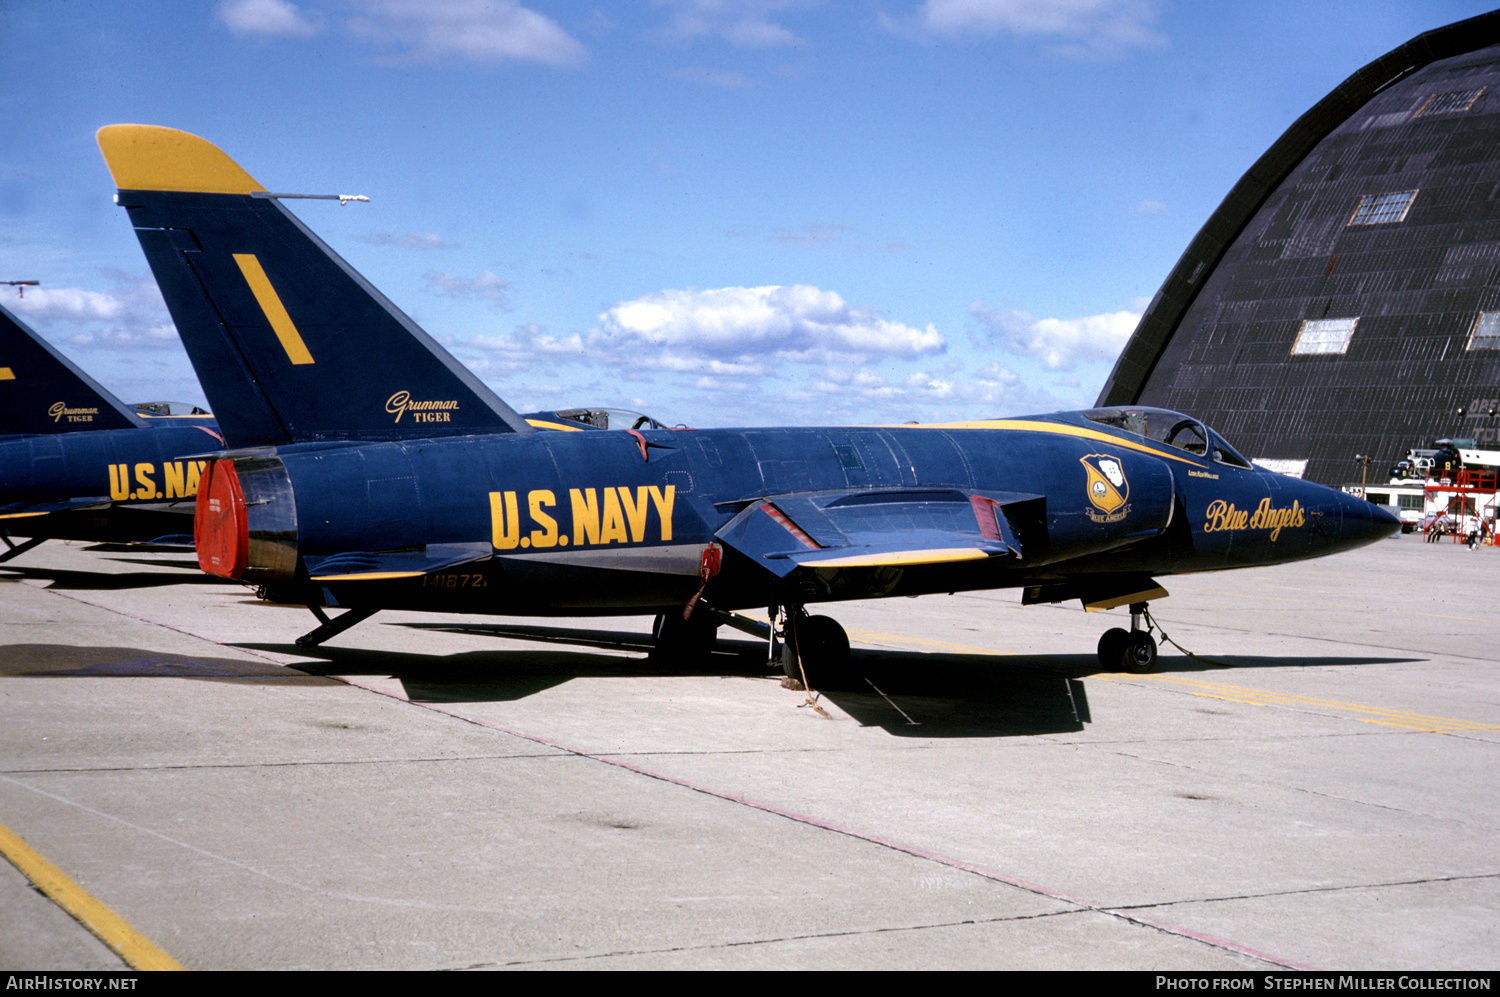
(370, 470)
(76, 463)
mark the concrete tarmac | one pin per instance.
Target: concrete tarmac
(1317, 790)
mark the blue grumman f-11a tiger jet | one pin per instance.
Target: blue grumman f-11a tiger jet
(76, 463)
(368, 469)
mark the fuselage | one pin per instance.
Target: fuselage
(105, 485)
(615, 522)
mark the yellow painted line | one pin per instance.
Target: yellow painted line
(1231, 699)
(874, 637)
(21, 515)
(270, 303)
(1230, 693)
(544, 424)
(1216, 690)
(1374, 714)
(1387, 723)
(1056, 428)
(368, 576)
(6, 374)
(138, 951)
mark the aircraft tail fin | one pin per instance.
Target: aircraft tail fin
(290, 343)
(42, 391)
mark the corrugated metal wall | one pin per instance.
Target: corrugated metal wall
(1415, 285)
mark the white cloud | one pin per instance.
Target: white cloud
(268, 19)
(1150, 208)
(718, 384)
(487, 286)
(735, 330)
(473, 30)
(742, 23)
(860, 396)
(528, 340)
(69, 304)
(117, 337)
(518, 350)
(132, 317)
(1078, 27)
(1059, 343)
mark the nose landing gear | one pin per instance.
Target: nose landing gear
(1129, 651)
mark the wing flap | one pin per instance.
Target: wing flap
(872, 529)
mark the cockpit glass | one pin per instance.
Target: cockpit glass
(1224, 453)
(611, 418)
(1170, 428)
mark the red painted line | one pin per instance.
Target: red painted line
(790, 526)
(770, 808)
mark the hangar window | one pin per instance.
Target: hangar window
(1377, 209)
(1329, 335)
(1452, 102)
(1486, 334)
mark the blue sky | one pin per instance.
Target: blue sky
(722, 212)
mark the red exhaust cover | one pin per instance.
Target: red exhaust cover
(220, 528)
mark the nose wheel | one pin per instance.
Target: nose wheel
(1132, 650)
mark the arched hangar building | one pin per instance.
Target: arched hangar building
(1345, 297)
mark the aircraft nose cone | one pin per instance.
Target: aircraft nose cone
(1364, 522)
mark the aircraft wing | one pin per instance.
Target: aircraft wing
(371, 566)
(22, 510)
(846, 529)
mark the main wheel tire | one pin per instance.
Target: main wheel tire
(1140, 653)
(684, 641)
(825, 652)
(1112, 647)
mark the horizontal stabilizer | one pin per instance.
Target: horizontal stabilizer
(22, 510)
(366, 566)
(290, 343)
(42, 391)
(172, 543)
(871, 529)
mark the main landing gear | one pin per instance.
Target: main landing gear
(811, 650)
(16, 550)
(1132, 650)
(681, 641)
(814, 649)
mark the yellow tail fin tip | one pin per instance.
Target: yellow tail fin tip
(149, 157)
